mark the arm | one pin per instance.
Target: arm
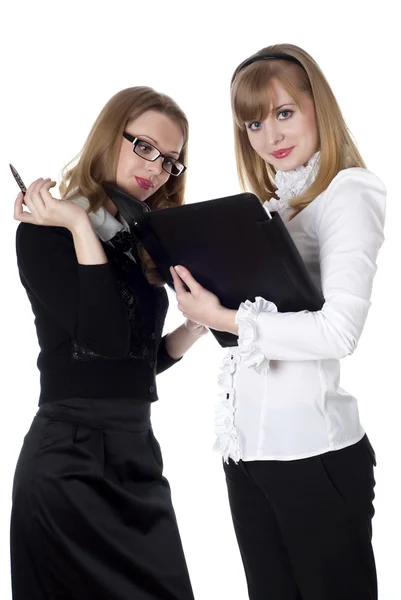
(175, 344)
(350, 233)
(68, 273)
(83, 299)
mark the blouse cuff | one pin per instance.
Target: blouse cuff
(248, 338)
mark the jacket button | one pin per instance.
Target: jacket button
(151, 389)
(152, 364)
(153, 336)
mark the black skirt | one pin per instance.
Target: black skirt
(92, 514)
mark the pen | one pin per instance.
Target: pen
(18, 179)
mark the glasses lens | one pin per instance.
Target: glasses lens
(146, 150)
(173, 166)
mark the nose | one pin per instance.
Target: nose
(273, 134)
(155, 167)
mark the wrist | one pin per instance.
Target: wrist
(193, 333)
(81, 226)
(225, 320)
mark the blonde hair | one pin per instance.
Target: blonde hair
(97, 162)
(251, 94)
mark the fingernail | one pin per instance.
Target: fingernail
(178, 269)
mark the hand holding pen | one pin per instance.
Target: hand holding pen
(43, 208)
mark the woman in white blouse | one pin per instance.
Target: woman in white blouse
(298, 463)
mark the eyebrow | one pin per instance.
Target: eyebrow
(285, 104)
(157, 143)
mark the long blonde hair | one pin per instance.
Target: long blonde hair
(251, 90)
(98, 159)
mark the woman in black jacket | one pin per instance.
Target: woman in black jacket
(92, 514)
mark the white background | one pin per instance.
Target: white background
(60, 63)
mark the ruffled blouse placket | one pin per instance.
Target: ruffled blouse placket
(249, 352)
(227, 442)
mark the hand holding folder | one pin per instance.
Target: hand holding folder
(231, 246)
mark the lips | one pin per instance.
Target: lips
(146, 184)
(283, 153)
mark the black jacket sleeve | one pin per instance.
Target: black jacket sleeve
(164, 360)
(83, 299)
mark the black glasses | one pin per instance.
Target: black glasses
(151, 153)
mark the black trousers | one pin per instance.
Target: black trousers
(92, 515)
(304, 526)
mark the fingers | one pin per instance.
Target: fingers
(196, 328)
(34, 198)
(35, 185)
(37, 198)
(187, 278)
(178, 284)
(19, 213)
(44, 191)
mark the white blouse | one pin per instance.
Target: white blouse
(280, 394)
(103, 222)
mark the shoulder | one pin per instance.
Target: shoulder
(358, 181)
(44, 242)
(353, 192)
(41, 235)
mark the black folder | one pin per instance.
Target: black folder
(232, 247)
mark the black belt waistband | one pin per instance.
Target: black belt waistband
(128, 414)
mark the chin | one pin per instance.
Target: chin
(292, 162)
(286, 164)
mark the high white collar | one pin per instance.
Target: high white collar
(293, 183)
(105, 225)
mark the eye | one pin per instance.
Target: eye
(254, 125)
(169, 161)
(285, 114)
(144, 147)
